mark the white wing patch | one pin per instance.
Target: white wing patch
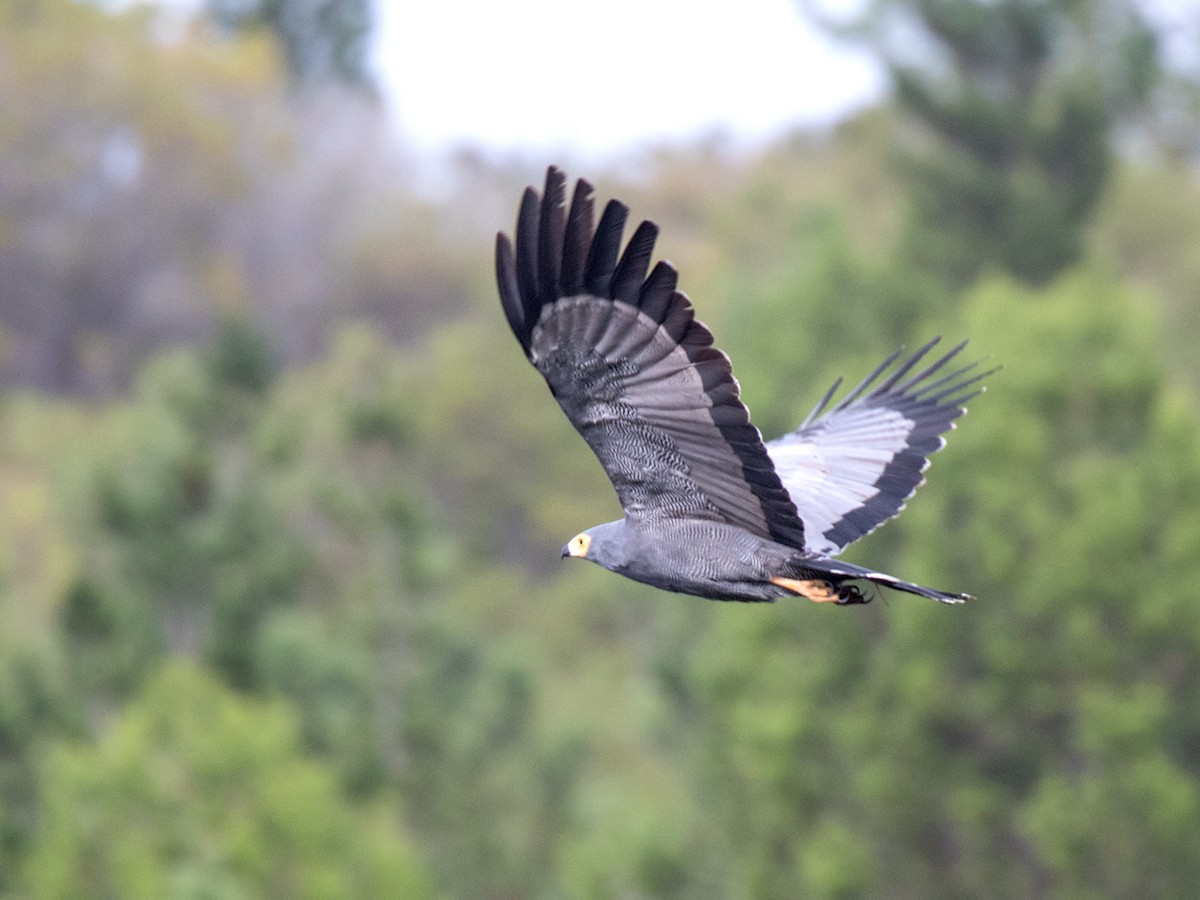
(849, 468)
(838, 466)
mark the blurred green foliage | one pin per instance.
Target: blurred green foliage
(283, 628)
(1012, 106)
(197, 792)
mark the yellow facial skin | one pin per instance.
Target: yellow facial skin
(578, 545)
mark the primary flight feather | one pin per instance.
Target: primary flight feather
(709, 508)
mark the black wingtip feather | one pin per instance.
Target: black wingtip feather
(527, 254)
(602, 257)
(951, 390)
(905, 367)
(631, 270)
(656, 292)
(916, 388)
(928, 371)
(679, 318)
(824, 402)
(577, 240)
(510, 293)
(866, 382)
(551, 228)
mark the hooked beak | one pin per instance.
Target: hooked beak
(566, 551)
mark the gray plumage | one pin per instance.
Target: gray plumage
(706, 509)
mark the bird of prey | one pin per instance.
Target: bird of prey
(710, 509)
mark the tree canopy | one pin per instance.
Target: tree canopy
(1014, 106)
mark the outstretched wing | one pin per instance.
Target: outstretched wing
(850, 469)
(631, 367)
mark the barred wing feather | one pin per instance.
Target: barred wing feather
(632, 367)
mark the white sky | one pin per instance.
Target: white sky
(596, 77)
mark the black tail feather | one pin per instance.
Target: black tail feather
(839, 570)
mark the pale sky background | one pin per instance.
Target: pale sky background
(600, 77)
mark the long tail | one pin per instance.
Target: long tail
(845, 570)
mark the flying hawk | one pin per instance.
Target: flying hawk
(710, 509)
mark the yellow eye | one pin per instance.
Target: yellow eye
(579, 545)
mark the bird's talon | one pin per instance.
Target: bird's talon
(849, 594)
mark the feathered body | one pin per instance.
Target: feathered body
(669, 554)
(709, 508)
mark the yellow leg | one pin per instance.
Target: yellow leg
(817, 590)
